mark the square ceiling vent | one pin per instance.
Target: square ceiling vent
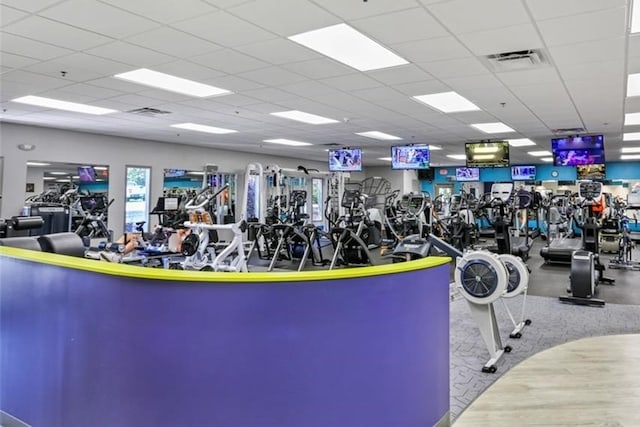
(518, 60)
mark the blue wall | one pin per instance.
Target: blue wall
(615, 170)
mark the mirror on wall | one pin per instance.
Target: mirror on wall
(184, 184)
(69, 197)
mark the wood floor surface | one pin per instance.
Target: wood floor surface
(589, 382)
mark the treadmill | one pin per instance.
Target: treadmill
(560, 250)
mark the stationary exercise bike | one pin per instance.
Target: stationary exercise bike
(586, 268)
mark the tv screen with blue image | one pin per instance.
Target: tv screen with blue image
(410, 157)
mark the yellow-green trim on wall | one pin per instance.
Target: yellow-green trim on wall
(216, 277)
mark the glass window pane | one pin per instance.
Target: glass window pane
(137, 198)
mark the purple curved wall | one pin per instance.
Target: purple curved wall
(82, 348)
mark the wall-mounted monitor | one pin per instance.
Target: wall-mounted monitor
(86, 174)
(578, 150)
(410, 157)
(597, 172)
(174, 173)
(345, 160)
(523, 173)
(487, 154)
(467, 174)
(426, 174)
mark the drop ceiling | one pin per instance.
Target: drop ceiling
(243, 46)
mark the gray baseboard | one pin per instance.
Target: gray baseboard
(445, 421)
(8, 420)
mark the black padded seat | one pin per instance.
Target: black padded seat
(30, 243)
(63, 243)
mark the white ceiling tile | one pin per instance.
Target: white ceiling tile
(92, 91)
(319, 68)
(26, 47)
(464, 16)
(439, 49)
(545, 9)
(487, 82)
(98, 17)
(37, 82)
(270, 95)
(400, 75)
(527, 77)
(229, 61)
(403, 26)
(223, 4)
(285, 17)
(279, 51)
(117, 84)
(272, 76)
(173, 42)
(130, 54)
(350, 10)
(351, 82)
(237, 100)
(507, 39)
(233, 83)
(306, 88)
(591, 51)
(9, 15)
(15, 61)
(224, 29)
(31, 5)
(455, 68)
(377, 94)
(165, 11)
(586, 27)
(422, 88)
(606, 72)
(56, 33)
(188, 70)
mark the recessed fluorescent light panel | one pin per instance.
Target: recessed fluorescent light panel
(63, 105)
(539, 153)
(547, 159)
(447, 102)
(37, 164)
(203, 128)
(522, 142)
(435, 147)
(282, 141)
(58, 173)
(171, 83)
(496, 127)
(635, 17)
(632, 136)
(624, 150)
(386, 159)
(457, 156)
(301, 116)
(631, 119)
(346, 45)
(379, 135)
(633, 85)
(630, 157)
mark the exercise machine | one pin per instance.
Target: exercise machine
(586, 269)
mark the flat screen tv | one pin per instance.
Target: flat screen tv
(426, 174)
(86, 174)
(410, 157)
(467, 174)
(345, 160)
(523, 173)
(487, 154)
(174, 173)
(578, 150)
(597, 172)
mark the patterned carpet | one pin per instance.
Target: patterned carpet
(553, 323)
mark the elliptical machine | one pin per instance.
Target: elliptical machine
(586, 268)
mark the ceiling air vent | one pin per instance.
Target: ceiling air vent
(568, 131)
(148, 111)
(518, 60)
